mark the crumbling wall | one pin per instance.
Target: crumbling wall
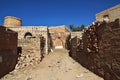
(32, 51)
(8, 50)
(34, 31)
(58, 36)
(99, 49)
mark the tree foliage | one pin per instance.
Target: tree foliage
(71, 26)
(78, 28)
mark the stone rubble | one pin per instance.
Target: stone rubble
(26, 60)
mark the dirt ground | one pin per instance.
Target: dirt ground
(55, 66)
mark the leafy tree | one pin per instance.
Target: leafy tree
(78, 28)
(71, 27)
(82, 26)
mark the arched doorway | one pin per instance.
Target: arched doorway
(58, 43)
(27, 35)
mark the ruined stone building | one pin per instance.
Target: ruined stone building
(55, 36)
(34, 42)
(99, 46)
(15, 24)
(110, 14)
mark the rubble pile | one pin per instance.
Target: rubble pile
(26, 60)
(99, 49)
(90, 39)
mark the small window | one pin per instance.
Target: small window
(106, 16)
(28, 35)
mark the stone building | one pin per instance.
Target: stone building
(54, 35)
(15, 24)
(35, 41)
(25, 32)
(110, 14)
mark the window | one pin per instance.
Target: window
(27, 35)
(106, 16)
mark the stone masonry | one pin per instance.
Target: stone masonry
(55, 36)
(58, 36)
(78, 34)
(31, 52)
(33, 32)
(10, 21)
(99, 49)
(35, 41)
(111, 14)
(8, 50)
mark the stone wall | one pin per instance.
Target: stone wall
(34, 32)
(99, 49)
(8, 50)
(32, 51)
(58, 36)
(113, 13)
(78, 34)
(55, 36)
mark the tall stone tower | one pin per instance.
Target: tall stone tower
(11, 21)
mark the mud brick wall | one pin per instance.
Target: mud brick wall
(31, 52)
(99, 49)
(8, 50)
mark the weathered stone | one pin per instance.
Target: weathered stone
(32, 52)
(109, 14)
(101, 49)
(58, 35)
(8, 50)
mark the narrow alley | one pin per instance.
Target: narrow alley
(55, 66)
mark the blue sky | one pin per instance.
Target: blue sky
(54, 12)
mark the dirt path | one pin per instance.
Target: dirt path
(55, 66)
